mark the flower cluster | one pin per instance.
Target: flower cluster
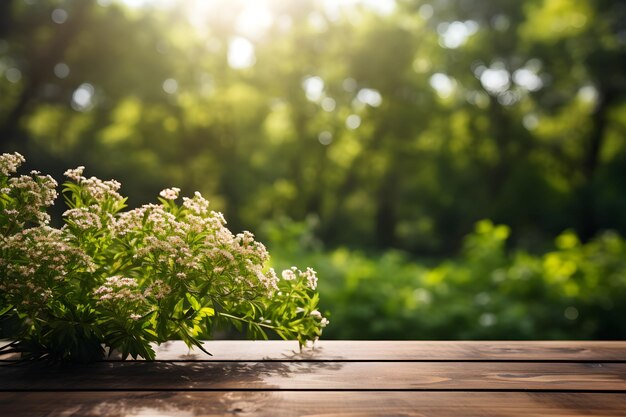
(37, 261)
(27, 196)
(198, 205)
(196, 241)
(129, 278)
(83, 218)
(309, 275)
(75, 174)
(94, 188)
(118, 288)
(10, 162)
(123, 297)
(158, 290)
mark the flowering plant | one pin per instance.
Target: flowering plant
(122, 280)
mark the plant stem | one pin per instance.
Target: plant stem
(247, 321)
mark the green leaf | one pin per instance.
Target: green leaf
(193, 302)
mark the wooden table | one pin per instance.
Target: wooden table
(338, 378)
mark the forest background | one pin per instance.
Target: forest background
(452, 169)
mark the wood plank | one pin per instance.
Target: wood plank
(401, 350)
(289, 403)
(318, 376)
(324, 350)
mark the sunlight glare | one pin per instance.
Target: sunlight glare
(495, 80)
(333, 8)
(313, 87)
(240, 53)
(254, 20)
(254, 17)
(442, 84)
(455, 34)
(370, 97)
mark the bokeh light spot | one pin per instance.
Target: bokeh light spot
(530, 121)
(170, 86)
(13, 75)
(325, 138)
(527, 79)
(328, 104)
(495, 80)
(487, 319)
(59, 16)
(61, 70)
(370, 97)
(349, 84)
(455, 34)
(571, 313)
(82, 98)
(353, 121)
(426, 11)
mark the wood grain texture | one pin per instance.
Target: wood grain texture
(336, 378)
(342, 350)
(394, 350)
(318, 376)
(318, 404)
(399, 350)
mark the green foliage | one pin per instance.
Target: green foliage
(122, 280)
(397, 129)
(569, 292)
(393, 126)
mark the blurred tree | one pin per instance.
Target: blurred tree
(396, 127)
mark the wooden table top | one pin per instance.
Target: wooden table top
(335, 378)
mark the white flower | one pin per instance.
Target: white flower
(197, 205)
(170, 193)
(311, 277)
(75, 174)
(288, 275)
(323, 320)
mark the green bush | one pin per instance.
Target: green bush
(574, 291)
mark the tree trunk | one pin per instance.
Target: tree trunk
(6, 7)
(599, 124)
(386, 216)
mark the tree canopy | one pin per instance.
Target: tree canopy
(398, 125)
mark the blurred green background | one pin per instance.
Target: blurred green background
(368, 139)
